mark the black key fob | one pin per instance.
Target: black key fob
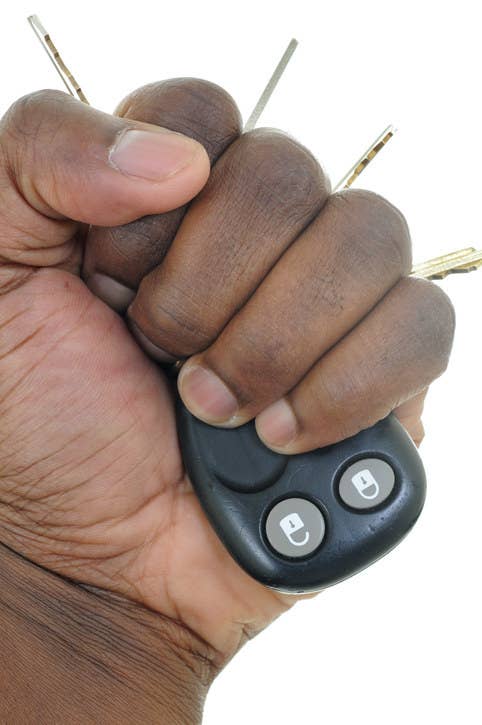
(301, 523)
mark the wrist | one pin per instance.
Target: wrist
(76, 654)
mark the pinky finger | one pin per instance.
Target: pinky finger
(389, 358)
(409, 414)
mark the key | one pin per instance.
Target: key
(366, 158)
(47, 43)
(301, 523)
(464, 260)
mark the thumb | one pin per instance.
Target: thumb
(70, 161)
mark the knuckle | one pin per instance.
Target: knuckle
(378, 226)
(278, 172)
(194, 107)
(132, 250)
(173, 317)
(28, 115)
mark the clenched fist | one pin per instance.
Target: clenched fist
(289, 304)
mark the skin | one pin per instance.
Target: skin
(296, 299)
(74, 654)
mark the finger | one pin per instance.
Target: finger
(62, 160)
(409, 414)
(392, 355)
(261, 194)
(340, 267)
(117, 258)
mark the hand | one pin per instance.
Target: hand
(317, 337)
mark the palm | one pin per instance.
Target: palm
(90, 457)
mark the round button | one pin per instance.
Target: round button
(240, 460)
(366, 483)
(295, 527)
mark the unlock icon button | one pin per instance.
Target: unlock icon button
(291, 525)
(295, 527)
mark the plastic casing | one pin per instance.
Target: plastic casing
(353, 539)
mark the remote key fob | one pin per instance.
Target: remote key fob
(303, 522)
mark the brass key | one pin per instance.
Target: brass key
(47, 43)
(464, 260)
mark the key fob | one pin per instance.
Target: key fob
(303, 522)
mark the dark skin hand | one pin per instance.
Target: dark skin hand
(75, 654)
(291, 305)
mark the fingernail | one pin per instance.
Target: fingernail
(206, 396)
(152, 155)
(155, 352)
(112, 292)
(276, 425)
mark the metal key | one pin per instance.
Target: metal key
(463, 260)
(47, 43)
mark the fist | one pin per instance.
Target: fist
(287, 303)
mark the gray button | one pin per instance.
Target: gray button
(295, 527)
(366, 483)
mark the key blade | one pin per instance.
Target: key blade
(443, 261)
(46, 41)
(463, 260)
(270, 86)
(360, 166)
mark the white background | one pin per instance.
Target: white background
(400, 643)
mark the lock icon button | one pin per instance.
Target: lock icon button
(366, 483)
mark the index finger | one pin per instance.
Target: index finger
(117, 258)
